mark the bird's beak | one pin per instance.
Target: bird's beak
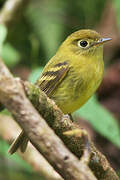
(102, 41)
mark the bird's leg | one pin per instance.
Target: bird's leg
(87, 150)
(70, 115)
(80, 132)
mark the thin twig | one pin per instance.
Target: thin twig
(10, 10)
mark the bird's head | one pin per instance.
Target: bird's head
(84, 42)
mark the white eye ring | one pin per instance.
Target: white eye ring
(82, 43)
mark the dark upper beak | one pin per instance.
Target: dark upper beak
(102, 41)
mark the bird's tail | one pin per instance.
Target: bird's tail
(20, 142)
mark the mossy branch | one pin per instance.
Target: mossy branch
(54, 117)
(61, 123)
(13, 97)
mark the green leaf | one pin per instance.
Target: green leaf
(5, 112)
(3, 34)
(35, 74)
(117, 8)
(102, 120)
(47, 24)
(10, 55)
(118, 173)
(4, 151)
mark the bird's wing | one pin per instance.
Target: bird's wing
(52, 77)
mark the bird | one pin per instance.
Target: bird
(72, 75)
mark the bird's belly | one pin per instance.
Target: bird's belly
(70, 102)
(71, 96)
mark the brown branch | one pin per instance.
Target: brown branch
(60, 124)
(31, 156)
(11, 10)
(41, 136)
(47, 108)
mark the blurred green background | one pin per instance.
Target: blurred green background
(32, 39)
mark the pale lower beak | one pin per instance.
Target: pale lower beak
(102, 41)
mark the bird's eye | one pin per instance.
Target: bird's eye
(83, 43)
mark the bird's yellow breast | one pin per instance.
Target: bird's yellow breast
(79, 85)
